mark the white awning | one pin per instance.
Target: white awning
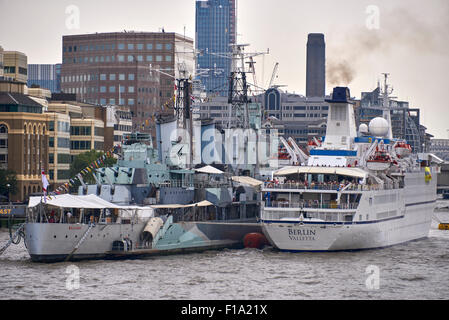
(204, 203)
(209, 169)
(345, 171)
(90, 201)
(247, 180)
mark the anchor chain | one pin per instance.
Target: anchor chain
(14, 239)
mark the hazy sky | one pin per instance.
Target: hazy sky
(407, 38)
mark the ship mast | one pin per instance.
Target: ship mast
(386, 114)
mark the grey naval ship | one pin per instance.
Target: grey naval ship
(141, 207)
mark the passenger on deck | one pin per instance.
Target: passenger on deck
(52, 217)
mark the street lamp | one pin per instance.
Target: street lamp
(8, 186)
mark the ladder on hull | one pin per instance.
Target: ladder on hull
(91, 226)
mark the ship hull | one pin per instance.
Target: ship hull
(415, 206)
(49, 242)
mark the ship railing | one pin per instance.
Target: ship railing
(345, 217)
(196, 185)
(332, 187)
(311, 205)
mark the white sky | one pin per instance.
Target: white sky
(411, 43)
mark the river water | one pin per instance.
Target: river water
(414, 270)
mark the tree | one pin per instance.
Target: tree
(84, 160)
(8, 183)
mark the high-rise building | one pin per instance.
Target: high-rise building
(15, 65)
(47, 76)
(215, 32)
(316, 66)
(120, 69)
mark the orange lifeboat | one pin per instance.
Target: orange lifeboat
(403, 149)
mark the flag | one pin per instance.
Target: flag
(44, 185)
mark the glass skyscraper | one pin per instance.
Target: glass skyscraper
(47, 76)
(215, 31)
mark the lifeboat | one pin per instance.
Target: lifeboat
(380, 161)
(313, 144)
(283, 154)
(403, 149)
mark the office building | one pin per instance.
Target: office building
(46, 76)
(23, 138)
(15, 66)
(132, 69)
(215, 32)
(316, 66)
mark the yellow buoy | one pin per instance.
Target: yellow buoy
(428, 175)
(443, 226)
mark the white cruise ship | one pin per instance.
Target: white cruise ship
(360, 189)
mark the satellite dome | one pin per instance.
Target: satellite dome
(363, 128)
(379, 127)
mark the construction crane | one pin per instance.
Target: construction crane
(252, 70)
(274, 75)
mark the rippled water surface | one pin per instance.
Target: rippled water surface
(415, 270)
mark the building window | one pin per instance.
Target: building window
(149, 58)
(168, 46)
(130, 102)
(158, 46)
(63, 143)
(149, 46)
(121, 46)
(130, 58)
(140, 46)
(80, 145)
(98, 145)
(140, 58)
(99, 131)
(51, 158)
(131, 76)
(112, 77)
(131, 89)
(168, 58)
(103, 89)
(120, 58)
(112, 89)
(158, 58)
(103, 77)
(80, 131)
(130, 46)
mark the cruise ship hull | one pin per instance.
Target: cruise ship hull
(414, 210)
